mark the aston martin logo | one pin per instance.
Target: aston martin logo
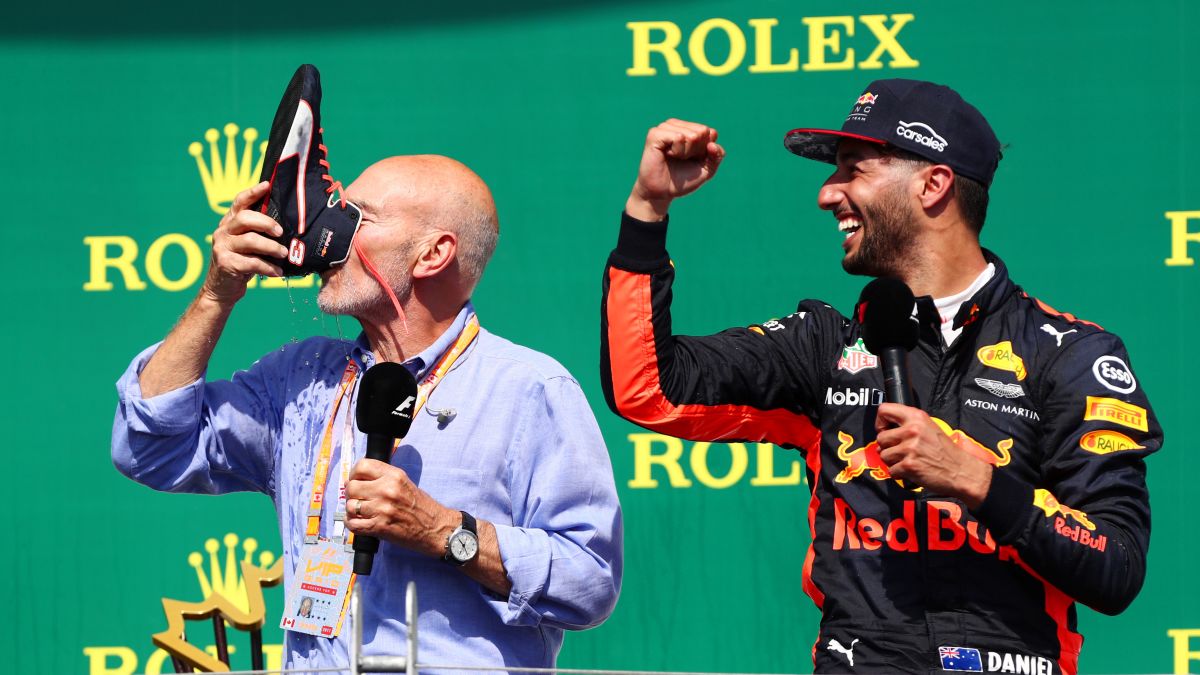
(1001, 389)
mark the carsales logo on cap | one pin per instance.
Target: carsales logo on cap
(921, 133)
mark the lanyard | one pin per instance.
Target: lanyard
(321, 471)
(431, 381)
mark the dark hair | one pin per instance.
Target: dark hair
(972, 201)
(970, 194)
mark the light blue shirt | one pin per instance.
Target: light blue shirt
(523, 452)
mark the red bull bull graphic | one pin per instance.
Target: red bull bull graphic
(866, 99)
(867, 460)
(1001, 456)
(859, 461)
(1081, 533)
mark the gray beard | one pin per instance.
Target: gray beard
(362, 297)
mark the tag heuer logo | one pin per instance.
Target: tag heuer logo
(856, 358)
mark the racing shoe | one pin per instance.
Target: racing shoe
(318, 223)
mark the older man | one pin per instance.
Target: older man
(956, 534)
(505, 446)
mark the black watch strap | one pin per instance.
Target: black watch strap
(468, 525)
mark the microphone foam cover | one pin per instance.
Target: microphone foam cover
(886, 311)
(387, 400)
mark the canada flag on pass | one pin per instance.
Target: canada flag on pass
(288, 623)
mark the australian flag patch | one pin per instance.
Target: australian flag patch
(961, 658)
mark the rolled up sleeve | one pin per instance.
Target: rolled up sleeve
(205, 437)
(563, 553)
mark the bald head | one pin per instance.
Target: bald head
(435, 193)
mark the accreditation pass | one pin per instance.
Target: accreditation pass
(316, 598)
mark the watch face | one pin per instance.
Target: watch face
(463, 546)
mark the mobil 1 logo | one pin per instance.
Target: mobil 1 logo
(853, 397)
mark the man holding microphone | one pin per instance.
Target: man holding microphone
(499, 502)
(955, 534)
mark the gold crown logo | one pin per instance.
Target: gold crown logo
(232, 591)
(223, 180)
(225, 579)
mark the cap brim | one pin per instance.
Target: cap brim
(821, 144)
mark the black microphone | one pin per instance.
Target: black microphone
(387, 399)
(887, 312)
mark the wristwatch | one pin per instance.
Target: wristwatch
(463, 543)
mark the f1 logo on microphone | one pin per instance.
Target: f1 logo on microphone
(403, 407)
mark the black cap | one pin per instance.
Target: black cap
(930, 120)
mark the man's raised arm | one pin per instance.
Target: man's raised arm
(678, 158)
(237, 245)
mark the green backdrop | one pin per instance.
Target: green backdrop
(1096, 197)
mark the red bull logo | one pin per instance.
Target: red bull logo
(866, 99)
(867, 460)
(1081, 533)
(859, 461)
(1000, 457)
(947, 528)
(1051, 506)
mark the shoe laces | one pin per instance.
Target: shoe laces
(333, 184)
(383, 283)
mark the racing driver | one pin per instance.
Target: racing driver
(955, 535)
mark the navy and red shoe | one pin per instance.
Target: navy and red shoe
(318, 223)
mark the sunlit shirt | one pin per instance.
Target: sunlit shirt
(522, 451)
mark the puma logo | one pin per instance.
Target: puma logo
(848, 652)
(1057, 335)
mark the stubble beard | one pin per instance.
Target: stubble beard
(888, 237)
(362, 295)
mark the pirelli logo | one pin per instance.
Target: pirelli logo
(1116, 411)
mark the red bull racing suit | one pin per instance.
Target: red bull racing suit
(907, 580)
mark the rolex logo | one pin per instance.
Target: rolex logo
(232, 591)
(224, 578)
(224, 179)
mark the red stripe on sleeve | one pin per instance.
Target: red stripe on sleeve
(1058, 608)
(637, 389)
(813, 460)
(1069, 317)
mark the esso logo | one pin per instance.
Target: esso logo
(1112, 372)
